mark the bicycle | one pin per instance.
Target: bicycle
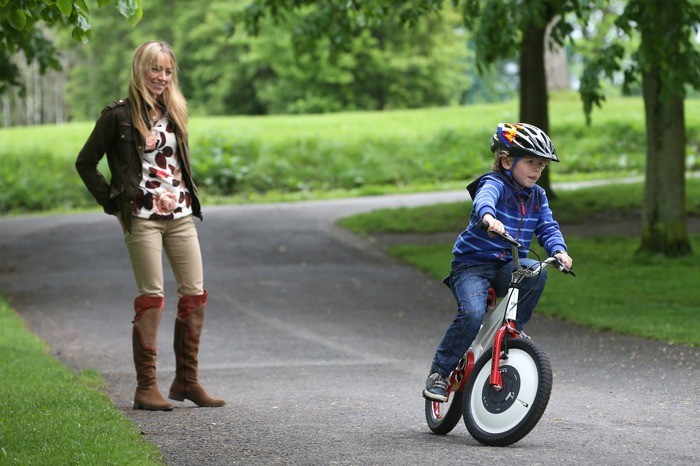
(501, 387)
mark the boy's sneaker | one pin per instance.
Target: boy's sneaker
(435, 387)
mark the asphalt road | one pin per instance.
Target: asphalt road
(321, 343)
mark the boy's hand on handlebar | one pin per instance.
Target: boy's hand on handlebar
(565, 260)
(494, 225)
(496, 229)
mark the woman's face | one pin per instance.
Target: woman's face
(158, 76)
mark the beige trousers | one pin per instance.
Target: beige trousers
(146, 242)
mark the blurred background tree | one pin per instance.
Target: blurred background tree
(28, 31)
(665, 64)
(226, 71)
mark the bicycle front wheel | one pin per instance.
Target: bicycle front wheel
(503, 417)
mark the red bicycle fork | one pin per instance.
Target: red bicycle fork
(495, 379)
(467, 363)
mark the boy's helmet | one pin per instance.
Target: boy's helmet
(523, 139)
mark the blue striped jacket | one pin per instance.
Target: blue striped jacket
(524, 212)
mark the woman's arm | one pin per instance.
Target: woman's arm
(90, 155)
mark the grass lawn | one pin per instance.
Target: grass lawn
(50, 415)
(292, 157)
(615, 290)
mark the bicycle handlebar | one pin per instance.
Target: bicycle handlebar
(556, 263)
(504, 236)
(512, 241)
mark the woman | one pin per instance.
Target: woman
(152, 194)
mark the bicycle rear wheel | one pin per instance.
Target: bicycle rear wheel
(443, 417)
(500, 418)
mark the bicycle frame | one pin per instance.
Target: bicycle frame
(498, 326)
(480, 387)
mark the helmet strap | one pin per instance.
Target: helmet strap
(515, 160)
(509, 171)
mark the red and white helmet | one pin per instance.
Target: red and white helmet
(523, 139)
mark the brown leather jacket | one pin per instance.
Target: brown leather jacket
(115, 136)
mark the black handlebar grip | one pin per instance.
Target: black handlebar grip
(505, 237)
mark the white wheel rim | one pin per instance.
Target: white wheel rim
(440, 409)
(494, 423)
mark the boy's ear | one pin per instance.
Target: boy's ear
(507, 163)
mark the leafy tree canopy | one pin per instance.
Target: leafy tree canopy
(226, 73)
(338, 20)
(673, 53)
(497, 24)
(25, 26)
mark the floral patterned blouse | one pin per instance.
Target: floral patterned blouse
(162, 194)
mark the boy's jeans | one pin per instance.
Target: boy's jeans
(470, 283)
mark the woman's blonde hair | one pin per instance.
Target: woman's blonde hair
(141, 101)
(498, 157)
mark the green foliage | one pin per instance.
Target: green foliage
(102, 67)
(40, 182)
(222, 73)
(670, 52)
(352, 153)
(220, 167)
(50, 415)
(336, 20)
(22, 29)
(378, 69)
(497, 26)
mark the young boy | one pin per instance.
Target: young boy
(507, 199)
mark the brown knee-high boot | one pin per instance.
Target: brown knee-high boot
(144, 340)
(188, 330)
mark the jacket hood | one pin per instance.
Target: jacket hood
(473, 187)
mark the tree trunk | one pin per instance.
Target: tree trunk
(534, 105)
(557, 67)
(555, 62)
(664, 227)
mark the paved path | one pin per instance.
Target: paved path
(321, 344)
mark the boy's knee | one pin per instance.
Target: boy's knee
(469, 319)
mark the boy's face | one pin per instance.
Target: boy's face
(527, 170)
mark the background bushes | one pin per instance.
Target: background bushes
(351, 153)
